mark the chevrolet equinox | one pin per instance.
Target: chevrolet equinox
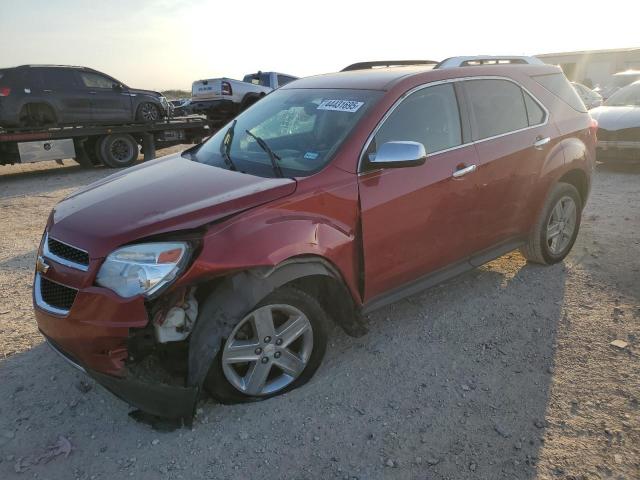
(220, 269)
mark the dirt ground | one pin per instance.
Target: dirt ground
(503, 373)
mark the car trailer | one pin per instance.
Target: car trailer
(114, 146)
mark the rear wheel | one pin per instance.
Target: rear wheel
(37, 115)
(118, 150)
(557, 227)
(248, 101)
(148, 112)
(275, 348)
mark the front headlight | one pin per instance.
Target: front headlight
(143, 268)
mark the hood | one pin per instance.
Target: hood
(169, 194)
(137, 91)
(616, 118)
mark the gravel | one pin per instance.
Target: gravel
(506, 372)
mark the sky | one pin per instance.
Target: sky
(163, 44)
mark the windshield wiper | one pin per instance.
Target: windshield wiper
(273, 156)
(225, 146)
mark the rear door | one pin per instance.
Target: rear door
(60, 88)
(512, 136)
(110, 100)
(416, 220)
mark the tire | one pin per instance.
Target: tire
(540, 248)
(287, 299)
(148, 112)
(118, 150)
(247, 102)
(88, 147)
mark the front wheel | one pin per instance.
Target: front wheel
(557, 227)
(148, 112)
(275, 348)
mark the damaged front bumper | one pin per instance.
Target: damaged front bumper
(167, 401)
(93, 336)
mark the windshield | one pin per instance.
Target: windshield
(627, 96)
(302, 128)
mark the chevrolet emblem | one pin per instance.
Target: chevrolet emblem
(41, 265)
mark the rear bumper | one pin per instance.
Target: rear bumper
(161, 400)
(9, 113)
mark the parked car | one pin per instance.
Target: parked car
(223, 98)
(590, 98)
(619, 126)
(37, 95)
(333, 196)
(618, 80)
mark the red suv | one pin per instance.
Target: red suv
(221, 268)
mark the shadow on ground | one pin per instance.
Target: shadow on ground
(450, 383)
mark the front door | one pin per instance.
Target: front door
(109, 101)
(416, 220)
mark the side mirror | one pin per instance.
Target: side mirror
(399, 154)
(117, 87)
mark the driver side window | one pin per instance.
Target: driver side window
(429, 116)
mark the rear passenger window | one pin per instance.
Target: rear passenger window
(429, 116)
(58, 78)
(497, 107)
(558, 84)
(535, 113)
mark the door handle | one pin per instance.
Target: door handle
(541, 142)
(93, 93)
(47, 91)
(463, 171)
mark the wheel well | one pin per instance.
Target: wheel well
(335, 298)
(317, 278)
(31, 109)
(578, 179)
(249, 99)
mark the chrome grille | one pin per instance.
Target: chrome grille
(56, 295)
(67, 252)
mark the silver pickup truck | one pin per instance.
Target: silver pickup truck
(223, 98)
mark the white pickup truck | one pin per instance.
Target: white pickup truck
(223, 98)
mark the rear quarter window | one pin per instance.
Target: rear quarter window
(558, 84)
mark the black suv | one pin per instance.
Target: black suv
(40, 95)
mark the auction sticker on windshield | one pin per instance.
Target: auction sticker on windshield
(340, 105)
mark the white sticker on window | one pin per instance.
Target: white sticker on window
(340, 105)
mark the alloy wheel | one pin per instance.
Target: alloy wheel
(268, 350)
(149, 112)
(561, 225)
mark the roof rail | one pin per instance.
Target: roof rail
(386, 63)
(453, 62)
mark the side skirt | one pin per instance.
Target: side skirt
(442, 275)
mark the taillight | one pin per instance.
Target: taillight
(226, 88)
(5, 91)
(593, 128)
